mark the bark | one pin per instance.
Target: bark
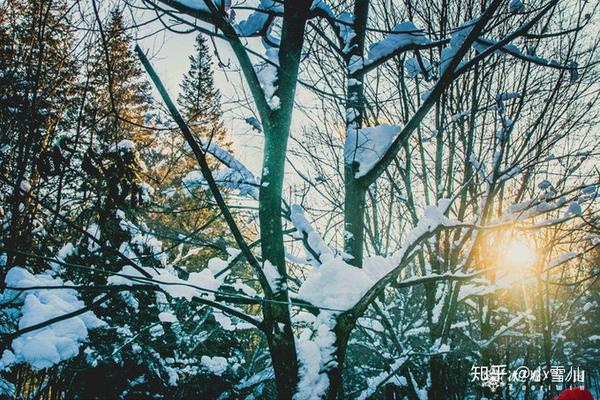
(277, 316)
(354, 219)
(343, 327)
(354, 200)
(278, 325)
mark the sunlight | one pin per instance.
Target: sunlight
(517, 256)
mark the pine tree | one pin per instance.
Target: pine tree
(119, 94)
(200, 103)
(199, 99)
(116, 105)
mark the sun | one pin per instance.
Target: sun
(517, 256)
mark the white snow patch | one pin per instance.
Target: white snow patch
(366, 146)
(266, 73)
(405, 34)
(167, 316)
(315, 355)
(316, 243)
(198, 284)
(45, 347)
(216, 365)
(272, 275)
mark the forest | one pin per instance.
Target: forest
(299, 199)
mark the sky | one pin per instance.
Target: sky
(169, 54)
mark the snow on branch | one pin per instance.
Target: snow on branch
(266, 72)
(338, 285)
(260, 20)
(47, 346)
(482, 44)
(198, 284)
(316, 348)
(458, 37)
(366, 146)
(329, 286)
(503, 330)
(254, 24)
(345, 26)
(405, 36)
(235, 176)
(563, 258)
(314, 243)
(204, 5)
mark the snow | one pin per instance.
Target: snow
(25, 186)
(315, 355)
(94, 231)
(345, 25)
(168, 317)
(272, 5)
(235, 176)
(457, 39)
(230, 324)
(355, 64)
(482, 43)
(366, 146)
(202, 4)
(254, 123)
(147, 191)
(373, 383)
(507, 96)
(242, 287)
(563, 258)
(272, 275)
(266, 72)
(66, 251)
(516, 7)
(545, 184)
(574, 209)
(316, 243)
(338, 286)
(216, 365)
(253, 24)
(54, 343)
(126, 144)
(405, 34)
(199, 284)
(7, 389)
(439, 302)
(414, 69)
(236, 179)
(321, 5)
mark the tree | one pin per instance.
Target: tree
(36, 92)
(199, 100)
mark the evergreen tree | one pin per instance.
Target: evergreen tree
(116, 105)
(119, 94)
(199, 100)
(200, 103)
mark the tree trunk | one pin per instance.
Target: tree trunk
(277, 316)
(278, 325)
(342, 330)
(354, 220)
(438, 369)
